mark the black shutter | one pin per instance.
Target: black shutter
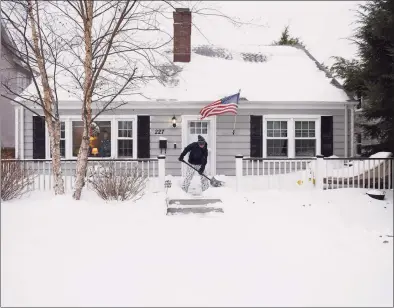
(327, 144)
(143, 139)
(256, 136)
(38, 137)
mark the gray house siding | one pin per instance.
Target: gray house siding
(227, 144)
(9, 75)
(230, 145)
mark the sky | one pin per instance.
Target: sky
(323, 26)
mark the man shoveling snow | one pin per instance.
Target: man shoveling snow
(198, 157)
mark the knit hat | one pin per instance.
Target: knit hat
(201, 139)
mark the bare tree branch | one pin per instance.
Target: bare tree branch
(33, 46)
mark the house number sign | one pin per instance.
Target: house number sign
(159, 131)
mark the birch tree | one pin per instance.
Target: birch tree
(116, 47)
(35, 44)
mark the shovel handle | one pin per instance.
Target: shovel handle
(196, 169)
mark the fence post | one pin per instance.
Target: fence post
(162, 171)
(238, 171)
(319, 172)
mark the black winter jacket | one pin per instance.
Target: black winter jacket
(197, 156)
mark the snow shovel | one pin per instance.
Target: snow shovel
(214, 182)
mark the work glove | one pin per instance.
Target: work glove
(180, 158)
(201, 171)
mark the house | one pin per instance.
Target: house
(290, 108)
(14, 75)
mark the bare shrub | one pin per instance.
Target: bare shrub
(213, 52)
(15, 179)
(253, 57)
(120, 185)
(7, 153)
(169, 73)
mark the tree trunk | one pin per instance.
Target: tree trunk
(53, 123)
(54, 137)
(82, 163)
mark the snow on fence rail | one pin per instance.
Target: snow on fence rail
(40, 170)
(371, 172)
(315, 172)
(275, 172)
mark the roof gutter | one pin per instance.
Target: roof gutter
(243, 105)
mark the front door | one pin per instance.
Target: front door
(195, 128)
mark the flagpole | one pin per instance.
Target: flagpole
(235, 118)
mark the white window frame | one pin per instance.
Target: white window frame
(291, 132)
(48, 143)
(199, 121)
(304, 138)
(133, 138)
(114, 134)
(277, 138)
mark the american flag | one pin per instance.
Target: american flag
(228, 104)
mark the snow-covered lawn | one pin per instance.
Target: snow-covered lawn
(272, 248)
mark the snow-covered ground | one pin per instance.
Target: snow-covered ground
(295, 247)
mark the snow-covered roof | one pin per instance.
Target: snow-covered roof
(265, 73)
(262, 73)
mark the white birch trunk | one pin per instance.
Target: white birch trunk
(82, 163)
(54, 137)
(82, 160)
(53, 123)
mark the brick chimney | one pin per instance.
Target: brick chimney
(182, 34)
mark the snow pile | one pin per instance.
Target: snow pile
(382, 155)
(293, 248)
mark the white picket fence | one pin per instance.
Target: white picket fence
(257, 173)
(376, 173)
(315, 172)
(40, 176)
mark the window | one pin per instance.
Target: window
(291, 136)
(100, 140)
(305, 139)
(62, 139)
(358, 144)
(199, 127)
(125, 139)
(277, 140)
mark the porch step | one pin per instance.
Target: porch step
(193, 206)
(193, 210)
(193, 201)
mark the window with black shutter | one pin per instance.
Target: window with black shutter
(38, 137)
(327, 137)
(143, 139)
(256, 136)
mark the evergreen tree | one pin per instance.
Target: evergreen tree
(372, 76)
(287, 39)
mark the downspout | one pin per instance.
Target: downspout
(346, 130)
(352, 131)
(16, 135)
(22, 132)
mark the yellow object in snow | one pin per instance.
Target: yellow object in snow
(299, 182)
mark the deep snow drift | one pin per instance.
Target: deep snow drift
(273, 248)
